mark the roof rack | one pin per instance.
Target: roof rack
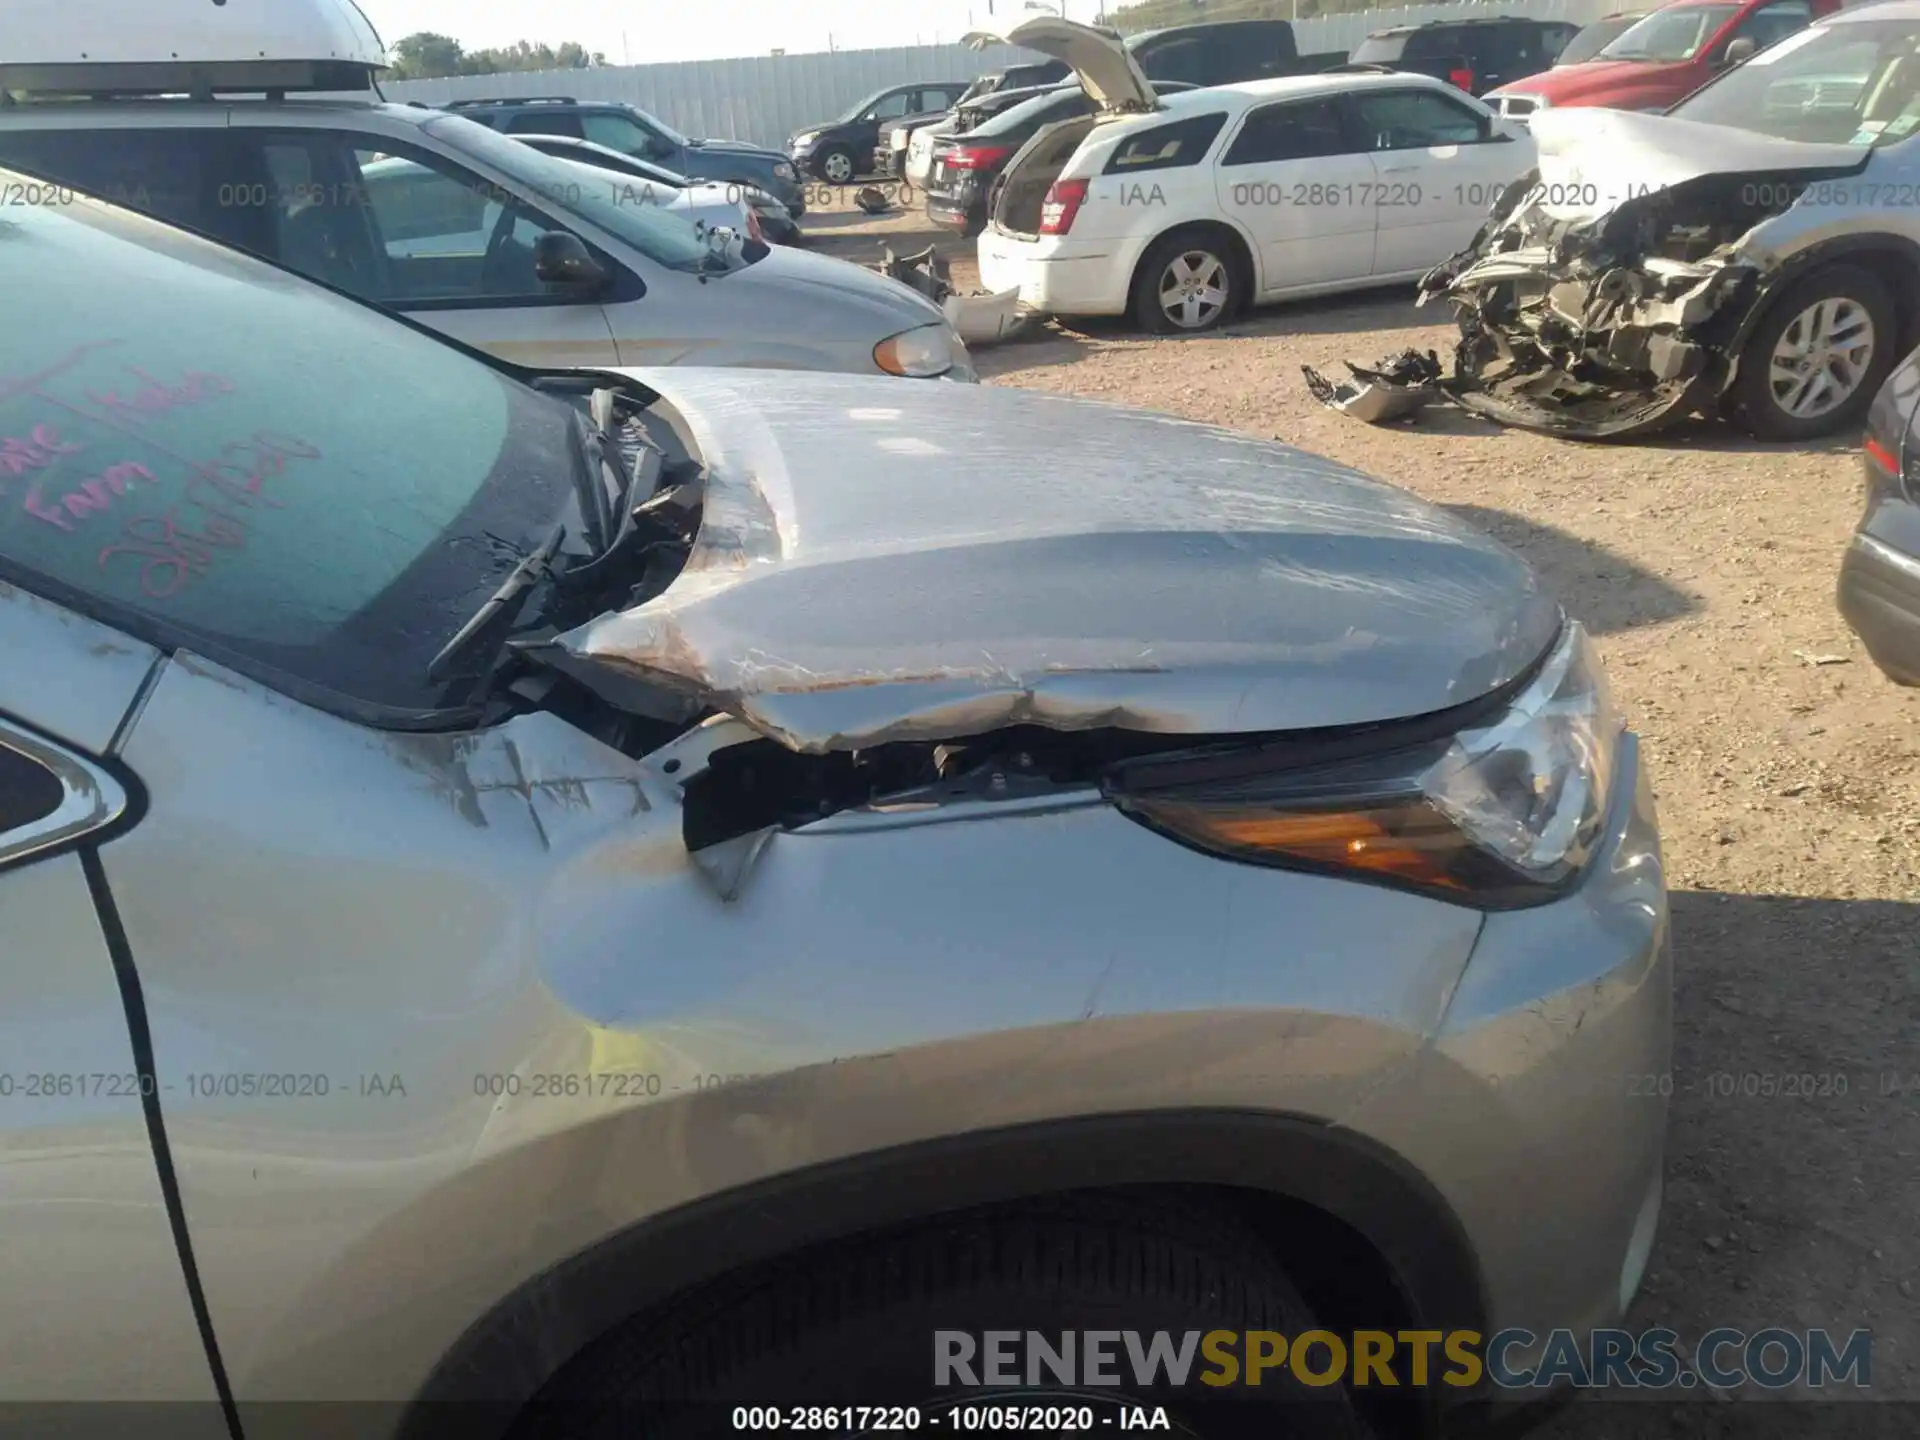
(513, 100)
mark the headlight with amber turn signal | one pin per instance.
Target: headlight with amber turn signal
(1500, 815)
(922, 353)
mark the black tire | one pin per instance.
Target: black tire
(1754, 405)
(854, 1324)
(1148, 311)
(824, 165)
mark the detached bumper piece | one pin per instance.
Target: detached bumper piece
(981, 319)
(1397, 387)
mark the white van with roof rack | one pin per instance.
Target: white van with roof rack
(255, 124)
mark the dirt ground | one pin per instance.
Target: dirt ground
(1787, 771)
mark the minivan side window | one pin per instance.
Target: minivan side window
(1296, 130)
(416, 234)
(197, 179)
(1166, 147)
(1415, 120)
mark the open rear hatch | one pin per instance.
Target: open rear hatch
(1099, 57)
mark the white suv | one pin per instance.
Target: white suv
(1182, 209)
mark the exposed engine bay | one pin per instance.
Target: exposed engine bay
(1613, 325)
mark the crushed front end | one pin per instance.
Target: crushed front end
(1607, 323)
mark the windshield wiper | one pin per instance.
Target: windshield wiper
(498, 612)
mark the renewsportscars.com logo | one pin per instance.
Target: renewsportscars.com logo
(1724, 1359)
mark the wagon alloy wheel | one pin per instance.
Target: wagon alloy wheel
(1194, 289)
(1821, 358)
(1812, 364)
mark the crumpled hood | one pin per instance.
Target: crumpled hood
(881, 561)
(1623, 156)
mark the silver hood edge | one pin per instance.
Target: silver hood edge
(880, 562)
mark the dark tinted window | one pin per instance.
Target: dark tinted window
(1166, 147)
(1430, 42)
(200, 179)
(1414, 120)
(548, 120)
(1772, 23)
(1297, 130)
(214, 454)
(892, 107)
(1187, 58)
(28, 791)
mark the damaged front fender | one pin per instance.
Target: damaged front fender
(1608, 326)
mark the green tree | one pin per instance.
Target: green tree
(427, 56)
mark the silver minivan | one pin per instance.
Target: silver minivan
(487, 239)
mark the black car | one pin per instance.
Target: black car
(1880, 577)
(1475, 55)
(841, 149)
(633, 131)
(965, 166)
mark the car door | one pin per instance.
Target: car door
(97, 1300)
(1441, 163)
(1502, 52)
(417, 233)
(1295, 176)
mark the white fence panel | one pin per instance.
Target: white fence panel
(765, 98)
(761, 98)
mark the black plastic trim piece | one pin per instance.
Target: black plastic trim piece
(141, 1035)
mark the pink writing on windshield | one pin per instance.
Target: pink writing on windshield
(35, 452)
(92, 495)
(154, 397)
(171, 555)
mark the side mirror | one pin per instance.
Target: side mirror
(562, 259)
(1739, 51)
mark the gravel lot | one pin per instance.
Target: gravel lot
(1788, 776)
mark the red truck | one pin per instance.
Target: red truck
(1663, 58)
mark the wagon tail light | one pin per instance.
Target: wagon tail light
(1500, 811)
(1062, 203)
(981, 158)
(1885, 451)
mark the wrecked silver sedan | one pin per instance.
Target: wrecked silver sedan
(1753, 252)
(509, 872)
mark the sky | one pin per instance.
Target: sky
(658, 30)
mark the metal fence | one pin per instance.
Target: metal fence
(765, 98)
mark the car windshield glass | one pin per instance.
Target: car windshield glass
(865, 105)
(1039, 110)
(1857, 83)
(1670, 35)
(666, 130)
(660, 235)
(1595, 38)
(213, 453)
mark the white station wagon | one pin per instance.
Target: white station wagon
(1182, 209)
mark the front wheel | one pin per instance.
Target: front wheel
(835, 165)
(1813, 364)
(1188, 284)
(869, 1323)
